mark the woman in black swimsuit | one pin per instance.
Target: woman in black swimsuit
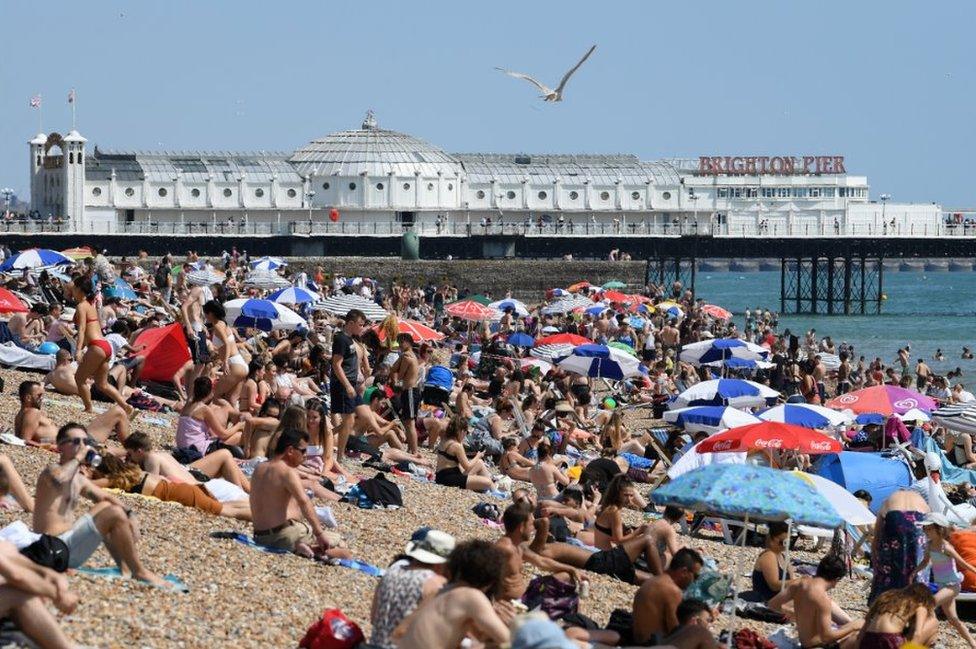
(453, 467)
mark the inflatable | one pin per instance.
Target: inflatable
(879, 476)
(48, 348)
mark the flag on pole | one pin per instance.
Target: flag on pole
(35, 101)
(71, 96)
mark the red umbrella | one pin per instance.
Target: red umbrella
(717, 312)
(417, 330)
(616, 296)
(562, 339)
(10, 303)
(469, 310)
(772, 435)
(578, 286)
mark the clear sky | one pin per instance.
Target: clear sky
(890, 85)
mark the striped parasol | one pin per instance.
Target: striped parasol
(960, 418)
(340, 305)
(205, 277)
(551, 352)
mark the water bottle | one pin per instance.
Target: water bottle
(93, 459)
(584, 588)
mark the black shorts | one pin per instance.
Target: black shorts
(340, 402)
(198, 349)
(615, 563)
(407, 403)
(451, 477)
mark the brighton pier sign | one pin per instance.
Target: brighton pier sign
(775, 165)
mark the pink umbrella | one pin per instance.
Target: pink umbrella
(884, 399)
(469, 310)
(716, 312)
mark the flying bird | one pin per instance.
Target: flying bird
(548, 94)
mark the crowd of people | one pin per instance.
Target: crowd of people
(270, 423)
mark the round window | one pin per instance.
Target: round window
(573, 196)
(510, 194)
(604, 196)
(195, 193)
(406, 185)
(666, 196)
(635, 195)
(162, 191)
(450, 187)
(259, 192)
(379, 186)
(129, 191)
(227, 193)
(96, 191)
(325, 185)
(480, 194)
(543, 196)
(352, 185)
(430, 187)
(291, 193)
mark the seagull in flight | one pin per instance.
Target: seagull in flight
(548, 94)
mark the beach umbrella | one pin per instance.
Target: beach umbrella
(120, 289)
(636, 322)
(266, 279)
(521, 339)
(709, 351)
(692, 459)
(268, 263)
(806, 415)
(557, 293)
(885, 399)
(624, 347)
(204, 277)
(519, 307)
(741, 364)
(483, 300)
(600, 361)
(843, 501)
(542, 366)
(563, 339)
(579, 286)
(728, 392)
(960, 417)
(770, 435)
(262, 314)
(550, 353)
(341, 304)
(616, 296)
(869, 419)
(709, 419)
(136, 272)
(614, 283)
(79, 253)
(914, 415)
(418, 331)
(596, 311)
(294, 295)
(566, 305)
(469, 310)
(10, 303)
(34, 258)
(716, 312)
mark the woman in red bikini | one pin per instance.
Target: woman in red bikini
(94, 352)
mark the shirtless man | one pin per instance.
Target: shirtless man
(545, 474)
(812, 607)
(670, 336)
(278, 503)
(58, 488)
(403, 376)
(62, 377)
(656, 606)
(519, 528)
(219, 464)
(665, 536)
(475, 568)
(196, 333)
(844, 374)
(922, 374)
(34, 427)
(25, 587)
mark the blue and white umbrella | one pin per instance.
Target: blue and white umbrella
(268, 263)
(566, 305)
(709, 419)
(294, 295)
(636, 322)
(737, 393)
(560, 292)
(551, 353)
(674, 312)
(521, 339)
(597, 311)
(519, 307)
(710, 351)
(262, 314)
(806, 415)
(600, 361)
(34, 258)
(120, 289)
(741, 364)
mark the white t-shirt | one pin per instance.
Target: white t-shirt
(117, 341)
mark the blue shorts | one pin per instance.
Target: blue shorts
(340, 402)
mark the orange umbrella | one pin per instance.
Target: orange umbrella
(578, 286)
(417, 330)
(717, 312)
(616, 296)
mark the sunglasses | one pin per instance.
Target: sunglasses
(75, 441)
(303, 450)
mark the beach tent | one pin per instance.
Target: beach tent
(879, 476)
(166, 351)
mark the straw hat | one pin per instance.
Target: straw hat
(430, 546)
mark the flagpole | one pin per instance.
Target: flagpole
(74, 101)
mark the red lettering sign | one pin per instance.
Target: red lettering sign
(774, 165)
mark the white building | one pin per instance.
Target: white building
(373, 178)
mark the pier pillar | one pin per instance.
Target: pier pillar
(852, 284)
(665, 271)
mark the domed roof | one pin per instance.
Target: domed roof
(372, 150)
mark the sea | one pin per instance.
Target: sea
(927, 311)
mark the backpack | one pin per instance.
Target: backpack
(381, 491)
(556, 598)
(48, 551)
(332, 631)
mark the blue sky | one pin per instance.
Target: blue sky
(889, 85)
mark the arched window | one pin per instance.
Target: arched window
(71, 158)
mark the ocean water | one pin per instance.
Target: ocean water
(928, 311)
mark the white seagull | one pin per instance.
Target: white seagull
(548, 94)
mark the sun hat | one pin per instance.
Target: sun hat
(430, 546)
(937, 519)
(933, 462)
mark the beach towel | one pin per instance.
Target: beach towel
(353, 564)
(950, 472)
(112, 572)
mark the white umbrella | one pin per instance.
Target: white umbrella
(738, 393)
(262, 314)
(519, 307)
(205, 277)
(266, 279)
(709, 419)
(914, 415)
(850, 508)
(342, 303)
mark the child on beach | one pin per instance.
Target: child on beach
(942, 559)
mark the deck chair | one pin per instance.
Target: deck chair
(658, 437)
(519, 418)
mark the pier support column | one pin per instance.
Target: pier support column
(815, 285)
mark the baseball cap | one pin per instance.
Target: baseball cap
(430, 546)
(933, 462)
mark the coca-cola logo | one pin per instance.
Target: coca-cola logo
(768, 443)
(821, 446)
(848, 398)
(905, 404)
(723, 445)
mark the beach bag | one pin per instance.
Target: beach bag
(488, 511)
(381, 492)
(554, 597)
(333, 631)
(48, 551)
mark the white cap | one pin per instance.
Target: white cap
(430, 546)
(933, 462)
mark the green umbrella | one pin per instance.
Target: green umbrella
(624, 347)
(480, 299)
(614, 283)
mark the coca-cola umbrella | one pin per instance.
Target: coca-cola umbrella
(10, 303)
(770, 435)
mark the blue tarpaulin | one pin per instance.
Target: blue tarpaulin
(879, 476)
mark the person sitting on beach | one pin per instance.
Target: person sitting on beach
(62, 377)
(109, 521)
(545, 476)
(413, 577)
(665, 536)
(656, 603)
(770, 572)
(219, 465)
(33, 426)
(13, 485)
(899, 616)
(204, 426)
(25, 590)
(512, 463)
(475, 569)
(813, 609)
(278, 503)
(116, 473)
(453, 468)
(609, 527)
(519, 529)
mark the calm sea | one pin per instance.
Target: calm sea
(928, 311)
